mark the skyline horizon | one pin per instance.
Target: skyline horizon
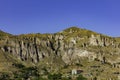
(59, 31)
(50, 16)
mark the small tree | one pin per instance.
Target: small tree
(80, 77)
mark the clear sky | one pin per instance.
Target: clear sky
(49, 16)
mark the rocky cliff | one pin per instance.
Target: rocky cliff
(68, 47)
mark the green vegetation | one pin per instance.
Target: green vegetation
(55, 76)
(32, 73)
(26, 73)
(80, 77)
(74, 31)
(4, 33)
(4, 76)
(18, 65)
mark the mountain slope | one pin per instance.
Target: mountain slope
(74, 48)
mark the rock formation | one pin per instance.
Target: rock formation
(69, 47)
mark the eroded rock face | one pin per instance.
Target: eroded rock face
(35, 49)
(100, 41)
(69, 45)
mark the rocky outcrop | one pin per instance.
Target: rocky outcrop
(35, 49)
(99, 40)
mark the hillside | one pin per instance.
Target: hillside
(36, 56)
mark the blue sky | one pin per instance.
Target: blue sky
(50, 16)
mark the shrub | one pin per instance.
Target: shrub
(80, 77)
(55, 76)
(18, 65)
(4, 76)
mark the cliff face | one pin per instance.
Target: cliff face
(69, 47)
(35, 47)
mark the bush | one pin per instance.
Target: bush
(4, 76)
(55, 76)
(80, 77)
(18, 65)
(26, 73)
